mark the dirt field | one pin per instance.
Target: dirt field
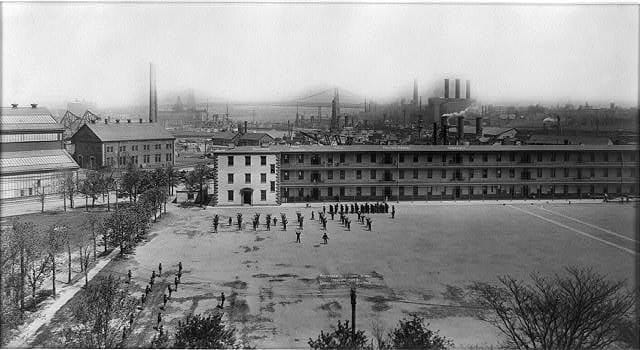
(279, 293)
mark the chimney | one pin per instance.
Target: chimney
(443, 127)
(245, 126)
(14, 105)
(457, 88)
(468, 90)
(153, 97)
(460, 128)
(34, 105)
(446, 88)
(478, 127)
(558, 125)
(435, 133)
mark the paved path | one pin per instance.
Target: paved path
(27, 332)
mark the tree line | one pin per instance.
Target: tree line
(31, 254)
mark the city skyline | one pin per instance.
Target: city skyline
(547, 54)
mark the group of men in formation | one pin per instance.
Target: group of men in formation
(342, 209)
(149, 288)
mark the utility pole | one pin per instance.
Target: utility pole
(353, 316)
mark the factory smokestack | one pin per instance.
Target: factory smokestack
(478, 127)
(153, 97)
(435, 133)
(245, 126)
(415, 92)
(457, 88)
(446, 88)
(468, 90)
(460, 129)
(443, 127)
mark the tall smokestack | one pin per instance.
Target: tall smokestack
(558, 125)
(446, 88)
(415, 92)
(435, 133)
(478, 127)
(457, 88)
(245, 126)
(443, 127)
(153, 97)
(460, 129)
(468, 90)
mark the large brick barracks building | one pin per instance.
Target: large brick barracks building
(425, 172)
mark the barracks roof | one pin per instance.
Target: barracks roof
(36, 161)
(129, 131)
(422, 148)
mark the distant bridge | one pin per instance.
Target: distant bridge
(324, 98)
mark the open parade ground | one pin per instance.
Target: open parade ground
(279, 293)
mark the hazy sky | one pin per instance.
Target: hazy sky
(55, 52)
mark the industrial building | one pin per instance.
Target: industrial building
(437, 106)
(33, 161)
(116, 144)
(417, 172)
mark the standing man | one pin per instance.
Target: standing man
(325, 237)
(393, 212)
(165, 298)
(175, 281)
(180, 266)
(298, 235)
(230, 221)
(159, 269)
(129, 276)
(159, 318)
(222, 300)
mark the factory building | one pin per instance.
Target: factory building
(116, 144)
(437, 106)
(416, 172)
(32, 157)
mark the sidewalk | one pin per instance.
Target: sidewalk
(27, 332)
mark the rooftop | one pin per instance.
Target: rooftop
(36, 161)
(573, 140)
(27, 118)
(423, 148)
(129, 132)
(254, 136)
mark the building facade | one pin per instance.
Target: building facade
(248, 176)
(415, 172)
(116, 145)
(33, 161)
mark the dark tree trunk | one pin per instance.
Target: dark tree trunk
(53, 269)
(22, 273)
(69, 251)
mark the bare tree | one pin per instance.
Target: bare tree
(100, 313)
(578, 310)
(55, 243)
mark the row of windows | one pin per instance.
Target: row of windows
(458, 157)
(387, 191)
(146, 158)
(135, 147)
(263, 195)
(6, 138)
(388, 175)
(247, 178)
(247, 162)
